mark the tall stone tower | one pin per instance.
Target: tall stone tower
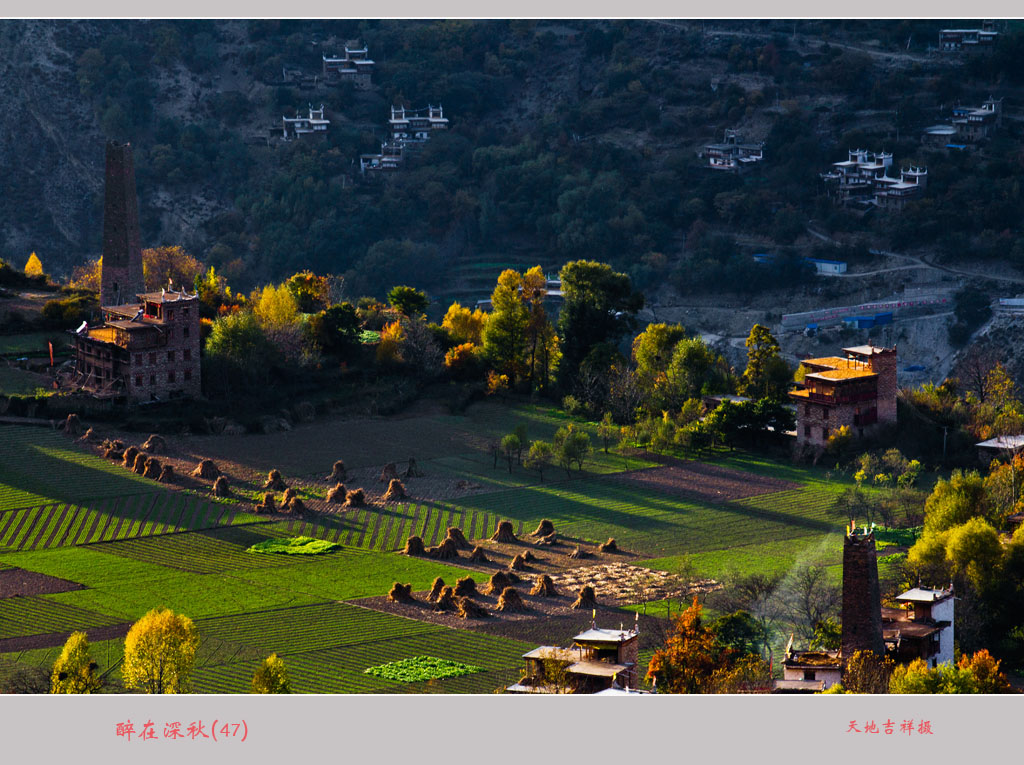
(121, 275)
(862, 600)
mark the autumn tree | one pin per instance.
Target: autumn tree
(607, 431)
(652, 354)
(408, 301)
(87, 275)
(389, 349)
(34, 266)
(977, 673)
(767, 375)
(504, 336)
(866, 672)
(542, 352)
(159, 653)
(312, 293)
(464, 325)
(170, 267)
(271, 677)
(75, 671)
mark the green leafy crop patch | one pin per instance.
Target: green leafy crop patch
(295, 546)
(421, 668)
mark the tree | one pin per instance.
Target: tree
(809, 597)
(271, 677)
(407, 300)
(464, 325)
(336, 329)
(599, 306)
(973, 549)
(511, 445)
(275, 307)
(853, 504)
(539, 457)
(652, 353)
(504, 336)
(766, 375)
(389, 349)
(756, 594)
(34, 266)
(159, 653)
(571, 445)
(75, 671)
(607, 431)
(311, 292)
(694, 370)
(978, 673)
(956, 501)
(541, 342)
(164, 267)
(741, 631)
(866, 672)
(238, 352)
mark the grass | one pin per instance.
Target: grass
(294, 546)
(421, 668)
(21, 616)
(21, 382)
(33, 343)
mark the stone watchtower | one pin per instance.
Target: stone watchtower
(121, 275)
(862, 600)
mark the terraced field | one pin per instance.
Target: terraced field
(21, 616)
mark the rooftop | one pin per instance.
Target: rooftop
(596, 668)
(552, 652)
(924, 595)
(167, 296)
(813, 659)
(598, 635)
(868, 350)
(1003, 442)
(842, 374)
(829, 362)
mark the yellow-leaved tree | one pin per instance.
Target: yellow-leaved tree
(271, 677)
(159, 653)
(75, 671)
(34, 266)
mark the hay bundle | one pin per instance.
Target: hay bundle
(414, 546)
(395, 492)
(498, 582)
(129, 457)
(389, 473)
(90, 437)
(336, 495)
(547, 541)
(355, 498)
(152, 469)
(338, 473)
(267, 505)
(447, 550)
(529, 557)
(296, 505)
(288, 496)
(72, 426)
(412, 471)
(221, 488)
(478, 556)
(509, 601)
(465, 586)
(544, 587)
(400, 593)
(609, 546)
(446, 600)
(435, 589)
(154, 444)
(579, 553)
(206, 469)
(113, 450)
(166, 474)
(504, 533)
(518, 563)
(586, 598)
(458, 538)
(469, 609)
(544, 528)
(274, 481)
(139, 465)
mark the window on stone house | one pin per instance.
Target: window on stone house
(187, 354)
(138, 380)
(184, 331)
(170, 355)
(807, 431)
(809, 674)
(170, 376)
(152, 379)
(824, 414)
(188, 374)
(152, 358)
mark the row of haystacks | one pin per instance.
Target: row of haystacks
(458, 598)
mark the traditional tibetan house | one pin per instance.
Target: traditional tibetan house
(923, 628)
(354, 66)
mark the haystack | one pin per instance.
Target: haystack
(498, 582)
(469, 609)
(586, 598)
(456, 535)
(336, 495)
(544, 528)
(90, 436)
(288, 496)
(152, 469)
(400, 593)
(414, 546)
(446, 600)
(338, 473)
(389, 473)
(113, 450)
(609, 546)
(166, 474)
(412, 471)
(504, 533)
(518, 563)
(509, 601)
(579, 553)
(478, 556)
(465, 586)
(221, 487)
(544, 587)
(296, 505)
(355, 498)
(528, 556)
(395, 492)
(447, 550)
(139, 466)
(435, 589)
(206, 469)
(72, 426)
(549, 540)
(154, 444)
(267, 505)
(274, 481)
(129, 457)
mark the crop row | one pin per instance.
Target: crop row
(138, 515)
(20, 616)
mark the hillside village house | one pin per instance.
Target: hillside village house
(858, 390)
(409, 129)
(147, 349)
(863, 178)
(313, 124)
(354, 66)
(957, 40)
(968, 124)
(732, 155)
